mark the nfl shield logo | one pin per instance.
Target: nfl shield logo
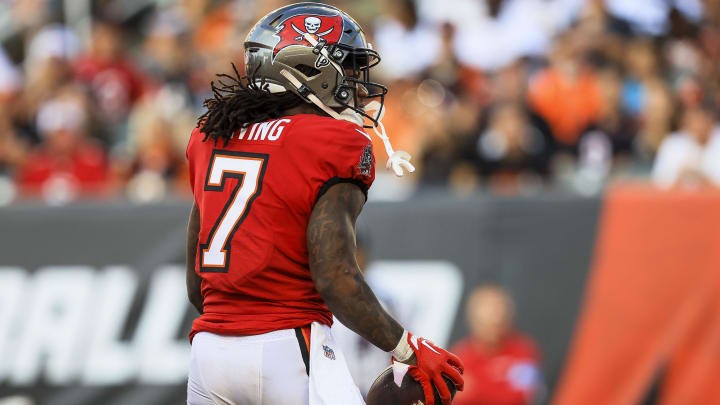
(329, 353)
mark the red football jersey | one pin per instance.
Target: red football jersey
(255, 196)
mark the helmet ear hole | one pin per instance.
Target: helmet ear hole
(307, 71)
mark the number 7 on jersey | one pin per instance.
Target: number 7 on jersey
(248, 169)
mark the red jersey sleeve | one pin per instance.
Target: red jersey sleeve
(337, 152)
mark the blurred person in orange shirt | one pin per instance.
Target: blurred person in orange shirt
(501, 364)
(567, 93)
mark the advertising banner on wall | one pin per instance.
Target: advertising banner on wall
(93, 308)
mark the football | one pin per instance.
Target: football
(384, 391)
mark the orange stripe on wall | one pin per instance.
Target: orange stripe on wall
(652, 300)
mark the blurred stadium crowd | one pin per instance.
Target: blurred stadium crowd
(98, 98)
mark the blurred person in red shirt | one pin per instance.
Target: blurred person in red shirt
(501, 364)
(67, 163)
(114, 81)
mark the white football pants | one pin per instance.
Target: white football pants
(265, 369)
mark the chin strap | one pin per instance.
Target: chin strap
(398, 161)
(307, 93)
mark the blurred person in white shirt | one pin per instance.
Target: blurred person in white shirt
(651, 16)
(408, 44)
(492, 34)
(690, 156)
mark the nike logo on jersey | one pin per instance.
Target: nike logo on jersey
(364, 134)
(268, 130)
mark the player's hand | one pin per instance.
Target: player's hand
(432, 363)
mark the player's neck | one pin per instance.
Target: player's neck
(304, 109)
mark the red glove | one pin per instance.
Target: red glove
(432, 363)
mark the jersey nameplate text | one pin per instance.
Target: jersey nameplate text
(263, 131)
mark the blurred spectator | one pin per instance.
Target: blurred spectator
(407, 45)
(29, 14)
(513, 152)
(448, 126)
(607, 141)
(47, 70)
(595, 22)
(651, 16)
(512, 146)
(657, 117)
(602, 35)
(494, 33)
(641, 65)
(12, 147)
(501, 364)
(567, 93)
(67, 164)
(114, 81)
(612, 124)
(691, 156)
(54, 41)
(155, 154)
(163, 52)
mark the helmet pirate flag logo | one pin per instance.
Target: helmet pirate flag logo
(292, 30)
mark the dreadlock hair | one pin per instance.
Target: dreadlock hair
(239, 103)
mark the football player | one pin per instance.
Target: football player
(280, 167)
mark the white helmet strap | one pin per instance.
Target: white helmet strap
(312, 97)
